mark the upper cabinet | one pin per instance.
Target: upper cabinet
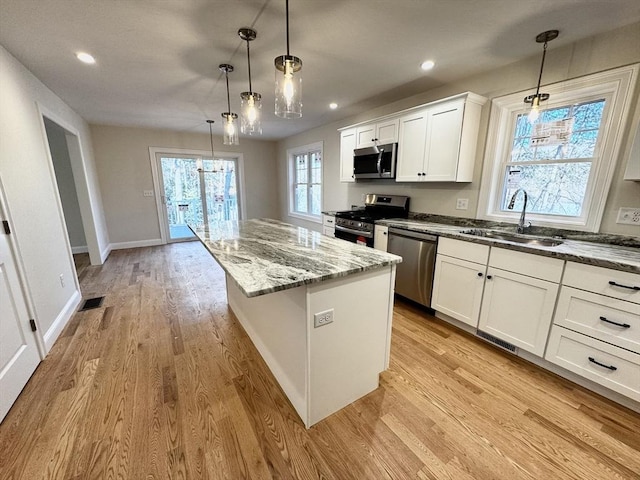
(347, 145)
(438, 142)
(379, 133)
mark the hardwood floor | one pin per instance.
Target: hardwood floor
(162, 382)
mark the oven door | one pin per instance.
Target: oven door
(354, 236)
(375, 162)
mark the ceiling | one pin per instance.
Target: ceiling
(157, 60)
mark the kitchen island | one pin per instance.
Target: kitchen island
(318, 309)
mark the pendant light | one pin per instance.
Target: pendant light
(288, 81)
(538, 97)
(230, 125)
(250, 102)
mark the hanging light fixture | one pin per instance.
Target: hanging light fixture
(288, 81)
(250, 102)
(230, 126)
(538, 97)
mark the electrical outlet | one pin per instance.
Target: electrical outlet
(62, 280)
(462, 204)
(629, 216)
(147, 193)
(322, 318)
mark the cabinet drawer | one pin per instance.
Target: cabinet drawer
(473, 252)
(579, 354)
(608, 319)
(596, 279)
(536, 266)
(329, 221)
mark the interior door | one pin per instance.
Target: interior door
(19, 355)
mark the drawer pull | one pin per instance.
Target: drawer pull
(623, 325)
(610, 367)
(633, 287)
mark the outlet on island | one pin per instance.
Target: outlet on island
(322, 318)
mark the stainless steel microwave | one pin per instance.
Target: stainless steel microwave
(375, 162)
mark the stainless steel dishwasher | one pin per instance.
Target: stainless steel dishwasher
(414, 276)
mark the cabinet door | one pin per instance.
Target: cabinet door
(444, 127)
(413, 133)
(347, 144)
(457, 288)
(518, 309)
(387, 131)
(380, 237)
(329, 231)
(365, 135)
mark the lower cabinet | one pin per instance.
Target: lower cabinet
(328, 225)
(457, 288)
(380, 237)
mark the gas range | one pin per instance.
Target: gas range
(358, 225)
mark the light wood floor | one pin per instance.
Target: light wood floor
(162, 382)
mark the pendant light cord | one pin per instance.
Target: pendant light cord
(249, 65)
(211, 139)
(226, 74)
(544, 53)
(287, 14)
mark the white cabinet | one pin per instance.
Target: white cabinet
(459, 279)
(380, 237)
(347, 145)
(438, 143)
(328, 225)
(596, 327)
(379, 133)
(519, 297)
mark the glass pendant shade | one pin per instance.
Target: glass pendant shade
(250, 113)
(288, 86)
(230, 129)
(538, 97)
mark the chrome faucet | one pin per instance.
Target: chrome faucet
(521, 226)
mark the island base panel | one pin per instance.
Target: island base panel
(322, 370)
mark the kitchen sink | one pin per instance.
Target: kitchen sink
(514, 237)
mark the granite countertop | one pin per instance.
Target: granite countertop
(625, 258)
(263, 256)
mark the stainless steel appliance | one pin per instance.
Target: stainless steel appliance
(378, 161)
(414, 276)
(357, 225)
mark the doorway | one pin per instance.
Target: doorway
(182, 198)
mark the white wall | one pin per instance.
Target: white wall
(66, 185)
(33, 202)
(609, 50)
(124, 169)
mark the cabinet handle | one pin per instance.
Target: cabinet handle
(633, 287)
(623, 325)
(384, 233)
(479, 274)
(610, 367)
(489, 277)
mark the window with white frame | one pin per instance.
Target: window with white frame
(305, 180)
(565, 159)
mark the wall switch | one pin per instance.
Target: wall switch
(630, 216)
(462, 204)
(62, 280)
(322, 318)
(147, 193)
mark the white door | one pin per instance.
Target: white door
(413, 133)
(347, 144)
(18, 350)
(444, 128)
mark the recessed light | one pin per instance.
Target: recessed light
(333, 106)
(85, 58)
(427, 65)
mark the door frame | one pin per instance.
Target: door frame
(158, 188)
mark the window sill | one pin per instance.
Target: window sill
(308, 218)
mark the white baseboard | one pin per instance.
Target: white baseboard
(61, 320)
(135, 244)
(104, 254)
(81, 249)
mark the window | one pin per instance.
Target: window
(305, 179)
(565, 160)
